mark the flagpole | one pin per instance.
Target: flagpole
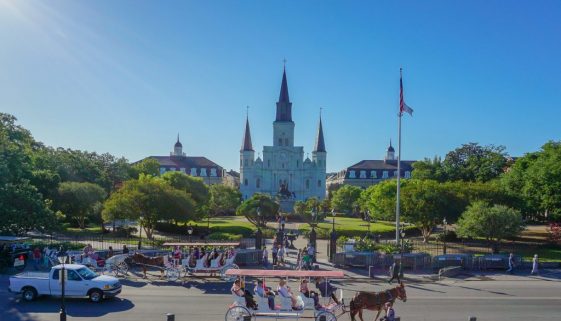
(398, 164)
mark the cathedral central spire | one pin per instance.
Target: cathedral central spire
(320, 142)
(284, 106)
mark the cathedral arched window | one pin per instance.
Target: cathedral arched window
(297, 163)
(245, 182)
(245, 162)
(280, 141)
(268, 163)
(307, 184)
(258, 183)
(286, 142)
(319, 182)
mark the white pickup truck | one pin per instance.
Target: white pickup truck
(80, 281)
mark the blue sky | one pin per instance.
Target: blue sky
(125, 77)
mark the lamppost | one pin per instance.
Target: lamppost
(313, 231)
(258, 234)
(333, 243)
(444, 238)
(190, 231)
(368, 221)
(62, 259)
(140, 235)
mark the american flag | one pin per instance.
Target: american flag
(402, 105)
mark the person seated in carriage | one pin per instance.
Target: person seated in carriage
(390, 313)
(285, 291)
(265, 292)
(177, 254)
(309, 294)
(326, 289)
(238, 290)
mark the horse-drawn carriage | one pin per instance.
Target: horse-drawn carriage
(219, 262)
(330, 310)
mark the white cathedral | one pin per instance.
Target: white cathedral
(283, 172)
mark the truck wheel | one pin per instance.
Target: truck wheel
(96, 296)
(29, 294)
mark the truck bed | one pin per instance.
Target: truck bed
(32, 275)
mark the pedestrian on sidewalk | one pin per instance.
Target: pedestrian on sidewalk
(280, 255)
(275, 254)
(312, 252)
(511, 264)
(394, 272)
(535, 263)
(265, 257)
(36, 258)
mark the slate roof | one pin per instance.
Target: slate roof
(185, 161)
(381, 164)
(320, 142)
(246, 143)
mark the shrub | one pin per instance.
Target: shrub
(451, 236)
(220, 236)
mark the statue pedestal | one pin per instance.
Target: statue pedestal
(286, 206)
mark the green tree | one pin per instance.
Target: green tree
(147, 166)
(22, 207)
(223, 199)
(380, 199)
(429, 169)
(80, 200)
(268, 209)
(300, 208)
(345, 199)
(424, 203)
(194, 186)
(149, 199)
(472, 162)
(536, 177)
(493, 223)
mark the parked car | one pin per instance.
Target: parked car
(80, 281)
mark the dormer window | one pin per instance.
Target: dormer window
(213, 172)
(407, 174)
(385, 174)
(203, 172)
(194, 171)
(162, 170)
(362, 174)
(395, 173)
(373, 174)
(182, 169)
(352, 174)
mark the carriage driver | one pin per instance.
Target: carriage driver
(390, 313)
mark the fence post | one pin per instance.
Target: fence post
(170, 317)
(472, 318)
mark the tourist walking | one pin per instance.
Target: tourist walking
(280, 255)
(535, 263)
(511, 264)
(36, 258)
(312, 252)
(265, 257)
(275, 254)
(125, 249)
(394, 273)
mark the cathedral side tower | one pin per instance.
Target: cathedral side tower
(319, 158)
(247, 157)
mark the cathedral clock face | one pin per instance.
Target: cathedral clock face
(283, 156)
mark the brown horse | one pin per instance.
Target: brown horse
(143, 260)
(375, 301)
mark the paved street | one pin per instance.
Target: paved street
(500, 298)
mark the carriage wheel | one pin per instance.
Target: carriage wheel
(225, 277)
(238, 313)
(120, 269)
(172, 274)
(326, 316)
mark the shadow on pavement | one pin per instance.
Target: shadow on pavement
(17, 310)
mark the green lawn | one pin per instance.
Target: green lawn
(227, 224)
(350, 227)
(545, 253)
